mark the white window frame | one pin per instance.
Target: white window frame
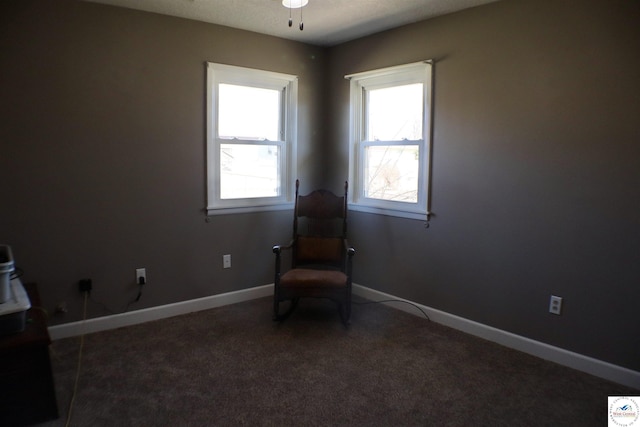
(287, 144)
(420, 72)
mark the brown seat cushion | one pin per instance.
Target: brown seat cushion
(320, 249)
(305, 277)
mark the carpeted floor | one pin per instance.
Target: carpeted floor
(233, 366)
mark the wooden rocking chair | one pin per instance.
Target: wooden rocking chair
(321, 257)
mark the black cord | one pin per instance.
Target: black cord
(395, 300)
(135, 300)
(110, 311)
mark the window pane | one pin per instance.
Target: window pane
(395, 113)
(248, 112)
(391, 172)
(248, 170)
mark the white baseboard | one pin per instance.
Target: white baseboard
(539, 349)
(558, 355)
(156, 313)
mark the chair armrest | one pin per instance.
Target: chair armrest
(349, 261)
(349, 249)
(278, 248)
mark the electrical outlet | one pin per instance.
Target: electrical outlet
(226, 261)
(555, 305)
(141, 276)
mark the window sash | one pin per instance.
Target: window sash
(257, 171)
(384, 78)
(388, 169)
(280, 111)
(370, 112)
(286, 144)
(359, 196)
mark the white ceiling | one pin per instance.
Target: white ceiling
(326, 22)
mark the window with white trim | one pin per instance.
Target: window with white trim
(390, 140)
(251, 139)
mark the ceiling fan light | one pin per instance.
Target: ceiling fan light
(294, 4)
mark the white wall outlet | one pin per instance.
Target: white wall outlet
(555, 305)
(141, 276)
(226, 261)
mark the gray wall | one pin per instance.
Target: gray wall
(536, 185)
(536, 177)
(102, 130)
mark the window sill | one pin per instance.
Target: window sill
(421, 216)
(248, 209)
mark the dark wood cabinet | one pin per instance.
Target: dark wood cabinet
(27, 392)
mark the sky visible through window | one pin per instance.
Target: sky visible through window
(249, 114)
(394, 113)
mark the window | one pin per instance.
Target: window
(251, 139)
(390, 140)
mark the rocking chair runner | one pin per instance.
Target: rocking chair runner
(320, 254)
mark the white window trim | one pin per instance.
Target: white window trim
(385, 77)
(221, 73)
